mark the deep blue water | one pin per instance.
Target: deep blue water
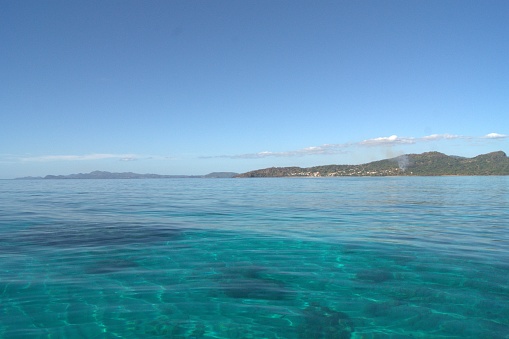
(419, 257)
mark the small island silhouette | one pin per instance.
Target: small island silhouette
(129, 175)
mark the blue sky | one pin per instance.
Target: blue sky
(192, 87)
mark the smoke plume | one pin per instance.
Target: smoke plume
(403, 162)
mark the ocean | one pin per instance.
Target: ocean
(393, 257)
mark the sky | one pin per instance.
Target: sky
(193, 87)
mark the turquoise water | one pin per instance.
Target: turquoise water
(255, 258)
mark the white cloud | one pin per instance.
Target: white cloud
(92, 157)
(329, 149)
(7, 158)
(393, 139)
(96, 156)
(312, 150)
(440, 137)
(325, 149)
(495, 136)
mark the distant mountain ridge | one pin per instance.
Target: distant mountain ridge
(129, 175)
(425, 164)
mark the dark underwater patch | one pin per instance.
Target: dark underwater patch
(375, 276)
(254, 289)
(92, 235)
(112, 266)
(323, 322)
(252, 282)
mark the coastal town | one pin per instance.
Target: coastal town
(351, 172)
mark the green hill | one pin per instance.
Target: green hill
(425, 164)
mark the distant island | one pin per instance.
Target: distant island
(425, 164)
(129, 175)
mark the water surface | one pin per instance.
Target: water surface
(421, 257)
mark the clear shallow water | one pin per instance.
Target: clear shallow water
(255, 258)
